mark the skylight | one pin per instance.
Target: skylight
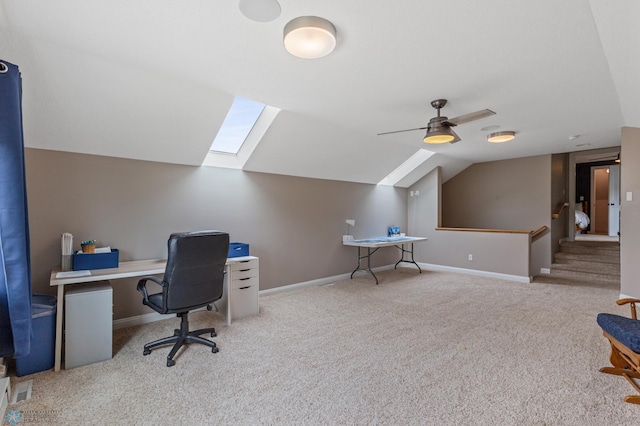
(407, 167)
(237, 125)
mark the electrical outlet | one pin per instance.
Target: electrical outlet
(470, 258)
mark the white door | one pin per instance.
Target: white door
(614, 200)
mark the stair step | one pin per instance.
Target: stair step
(596, 244)
(573, 275)
(586, 257)
(605, 250)
(587, 261)
(589, 267)
(592, 243)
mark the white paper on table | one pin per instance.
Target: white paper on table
(72, 274)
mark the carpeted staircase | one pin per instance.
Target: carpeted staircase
(588, 260)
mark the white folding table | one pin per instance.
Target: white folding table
(377, 243)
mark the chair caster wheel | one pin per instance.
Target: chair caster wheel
(209, 307)
(215, 350)
(213, 334)
(146, 352)
(170, 363)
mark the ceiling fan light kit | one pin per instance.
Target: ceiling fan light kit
(438, 133)
(438, 139)
(500, 137)
(309, 37)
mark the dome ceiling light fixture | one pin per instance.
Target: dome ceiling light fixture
(309, 37)
(499, 137)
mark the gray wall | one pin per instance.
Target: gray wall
(630, 212)
(559, 195)
(294, 225)
(506, 254)
(507, 194)
(511, 194)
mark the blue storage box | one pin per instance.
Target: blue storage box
(238, 249)
(82, 261)
(43, 323)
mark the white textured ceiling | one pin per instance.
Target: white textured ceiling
(153, 79)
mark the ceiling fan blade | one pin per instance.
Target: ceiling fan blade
(399, 131)
(461, 119)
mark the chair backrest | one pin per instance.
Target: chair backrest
(195, 269)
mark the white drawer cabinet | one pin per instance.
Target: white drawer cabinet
(243, 284)
(5, 395)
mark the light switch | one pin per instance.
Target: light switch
(629, 196)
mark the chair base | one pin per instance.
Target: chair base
(181, 337)
(625, 363)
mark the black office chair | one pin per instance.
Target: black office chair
(193, 278)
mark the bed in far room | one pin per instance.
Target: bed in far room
(582, 220)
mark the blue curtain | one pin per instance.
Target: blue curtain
(15, 269)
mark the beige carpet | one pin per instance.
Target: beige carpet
(432, 348)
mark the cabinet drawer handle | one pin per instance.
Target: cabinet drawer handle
(244, 279)
(244, 270)
(244, 288)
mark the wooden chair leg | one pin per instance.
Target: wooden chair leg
(620, 372)
(616, 359)
(633, 399)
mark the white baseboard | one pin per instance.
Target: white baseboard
(545, 271)
(143, 319)
(474, 272)
(319, 281)
(138, 320)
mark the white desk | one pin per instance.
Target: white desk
(132, 269)
(377, 243)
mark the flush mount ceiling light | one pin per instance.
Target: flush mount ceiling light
(499, 137)
(309, 37)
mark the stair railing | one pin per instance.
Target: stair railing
(559, 210)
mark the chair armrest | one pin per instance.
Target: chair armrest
(632, 305)
(142, 285)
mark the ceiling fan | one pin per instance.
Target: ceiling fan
(439, 128)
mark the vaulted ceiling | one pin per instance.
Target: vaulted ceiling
(153, 79)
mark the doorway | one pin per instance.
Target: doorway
(605, 200)
(580, 189)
